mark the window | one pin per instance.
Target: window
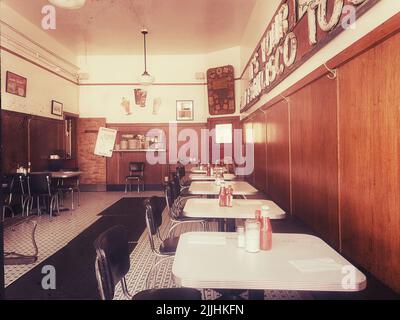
(223, 133)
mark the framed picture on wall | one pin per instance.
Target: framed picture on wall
(16, 84)
(184, 110)
(56, 108)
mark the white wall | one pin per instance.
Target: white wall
(105, 100)
(263, 13)
(42, 86)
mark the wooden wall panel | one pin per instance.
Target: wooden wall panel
(14, 131)
(313, 121)
(260, 146)
(93, 167)
(247, 126)
(369, 127)
(46, 137)
(278, 173)
(118, 165)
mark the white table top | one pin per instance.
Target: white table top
(241, 209)
(210, 188)
(204, 177)
(296, 262)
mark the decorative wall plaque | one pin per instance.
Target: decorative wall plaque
(221, 90)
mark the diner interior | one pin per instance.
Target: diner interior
(200, 149)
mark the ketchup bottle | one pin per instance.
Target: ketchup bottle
(229, 197)
(265, 234)
(222, 197)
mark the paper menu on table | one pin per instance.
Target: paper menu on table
(316, 265)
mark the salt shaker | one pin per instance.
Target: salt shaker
(252, 235)
(241, 236)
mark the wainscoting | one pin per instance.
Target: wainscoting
(332, 155)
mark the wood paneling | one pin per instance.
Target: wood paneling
(118, 164)
(14, 128)
(277, 177)
(260, 146)
(369, 126)
(314, 168)
(46, 137)
(29, 138)
(345, 183)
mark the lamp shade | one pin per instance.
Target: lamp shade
(68, 4)
(146, 79)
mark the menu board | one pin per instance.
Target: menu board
(221, 90)
(105, 142)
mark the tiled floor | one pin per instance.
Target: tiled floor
(53, 235)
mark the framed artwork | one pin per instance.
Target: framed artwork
(16, 84)
(184, 110)
(56, 108)
(221, 90)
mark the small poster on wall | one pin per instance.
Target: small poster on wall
(140, 97)
(184, 110)
(16, 84)
(105, 142)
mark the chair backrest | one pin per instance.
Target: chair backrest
(169, 197)
(39, 183)
(136, 167)
(153, 216)
(180, 171)
(112, 260)
(176, 184)
(17, 183)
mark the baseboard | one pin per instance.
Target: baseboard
(148, 187)
(93, 187)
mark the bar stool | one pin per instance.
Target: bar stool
(136, 173)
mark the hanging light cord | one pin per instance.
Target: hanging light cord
(144, 31)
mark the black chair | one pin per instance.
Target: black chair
(72, 186)
(112, 264)
(16, 191)
(6, 195)
(153, 217)
(136, 173)
(175, 205)
(40, 187)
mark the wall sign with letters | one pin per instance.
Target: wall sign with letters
(298, 30)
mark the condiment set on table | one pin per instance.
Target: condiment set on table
(256, 235)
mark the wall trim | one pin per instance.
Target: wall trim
(37, 64)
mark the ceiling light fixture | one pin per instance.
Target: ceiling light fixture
(68, 4)
(145, 79)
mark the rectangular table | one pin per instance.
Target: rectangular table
(65, 174)
(241, 188)
(296, 262)
(241, 209)
(204, 177)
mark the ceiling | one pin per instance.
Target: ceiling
(175, 26)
